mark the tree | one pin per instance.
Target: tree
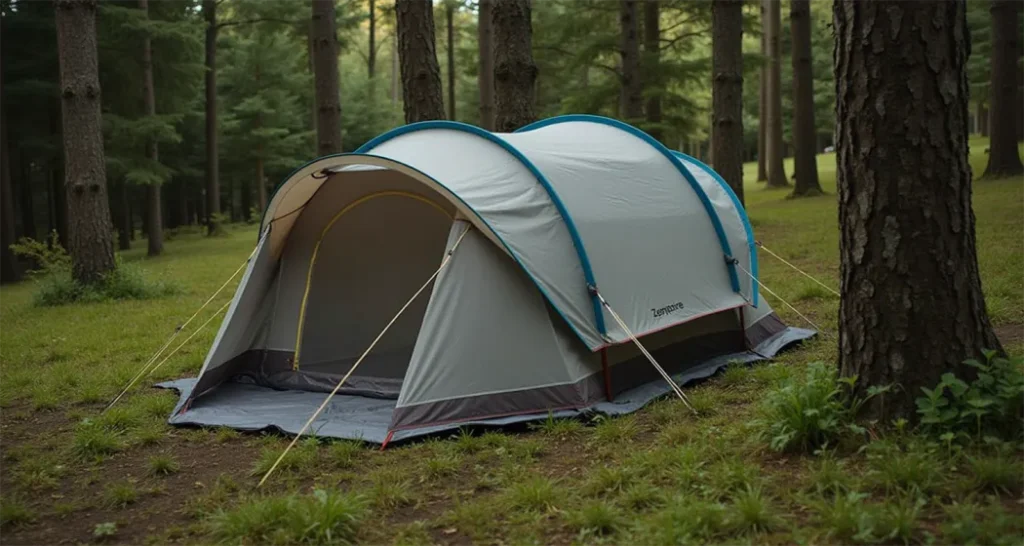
(421, 76)
(325, 72)
(727, 91)
(485, 38)
(1003, 157)
(632, 93)
(449, 12)
(212, 165)
(804, 137)
(8, 266)
(762, 97)
(652, 68)
(515, 72)
(154, 222)
(85, 183)
(774, 152)
(911, 306)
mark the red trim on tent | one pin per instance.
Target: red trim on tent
(673, 325)
(386, 440)
(607, 375)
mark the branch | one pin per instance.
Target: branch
(260, 20)
(559, 50)
(671, 43)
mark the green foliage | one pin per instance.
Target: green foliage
(302, 456)
(344, 453)
(992, 403)
(752, 511)
(47, 256)
(94, 442)
(163, 465)
(14, 512)
(559, 428)
(104, 530)
(121, 494)
(596, 518)
(809, 411)
(537, 493)
(997, 473)
(325, 517)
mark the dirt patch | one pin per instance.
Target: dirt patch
(1010, 334)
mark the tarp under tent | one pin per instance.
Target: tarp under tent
(546, 220)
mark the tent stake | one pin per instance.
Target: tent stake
(444, 263)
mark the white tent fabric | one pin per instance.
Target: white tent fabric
(557, 212)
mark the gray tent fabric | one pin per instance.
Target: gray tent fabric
(545, 219)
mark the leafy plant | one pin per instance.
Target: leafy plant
(104, 530)
(806, 412)
(992, 403)
(321, 518)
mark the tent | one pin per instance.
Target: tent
(548, 220)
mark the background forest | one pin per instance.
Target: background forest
(264, 91)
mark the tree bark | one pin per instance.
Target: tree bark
(59, 212)
(515, 72)
(154, 216)
(1003, 156)
(912, 306)
(762, 101)
(727, 91)
(652, 68)
(261, 183)
(421, 76)
(631, 94)
(805, 163)
(325, 73)
(774, 146)
(982, 119)
(371, 53)
(485, 38)
(9, 270)
(449, 12)
(212, 163)
(90, 244)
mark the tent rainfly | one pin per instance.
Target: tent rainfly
(550, 218)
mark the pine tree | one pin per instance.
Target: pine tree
(421, 76)
(515, 72)
(727, 92)
(1003, 157)
(804, 139)
(485, 34)
(325, 70)
(774, 152)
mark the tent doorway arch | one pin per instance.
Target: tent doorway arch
(370, 256)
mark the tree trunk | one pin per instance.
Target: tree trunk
(26, 197)
(325, 73)
(125, 227)
(261, 183)
(485, 37)
(1003, 156)
(154, 218)
(727, 91)
(774, 147)
(631, 94)
(183, 202)
(421, 77)
(911, 306)
(245, 198)
(9, 271)
(762, 101)
(515, 73)
(57, 183)
(371, 53)
(805, 163)
(212, 163)
(90, 244)
(982, 119)
(395, 73)
(449, 12)
(652, 69)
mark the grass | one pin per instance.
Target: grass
(662, 475)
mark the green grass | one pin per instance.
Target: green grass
(662, 475)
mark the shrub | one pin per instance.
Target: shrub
(809, 411)
(993, 403)
(322, 518)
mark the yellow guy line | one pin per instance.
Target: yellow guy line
(316, 250)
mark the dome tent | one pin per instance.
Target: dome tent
(546, 219)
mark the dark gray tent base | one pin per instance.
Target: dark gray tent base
(252, 408)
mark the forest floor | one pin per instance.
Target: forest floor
(72, 475)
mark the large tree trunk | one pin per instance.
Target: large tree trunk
(371, 53)
(762, 101)
(325, 73)
(804, 137)
(9, 271)
(25, 195)
(212, 164)
(421, 77)
(1003, 157)
(449, 13)
(774, 146)
(982, 119)
(90, 244)
(485, 37)
(59, 213)
(154, 216)
(911, 306)
(652, 67)
(631, 94)
(727, 91)
(515, 73)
